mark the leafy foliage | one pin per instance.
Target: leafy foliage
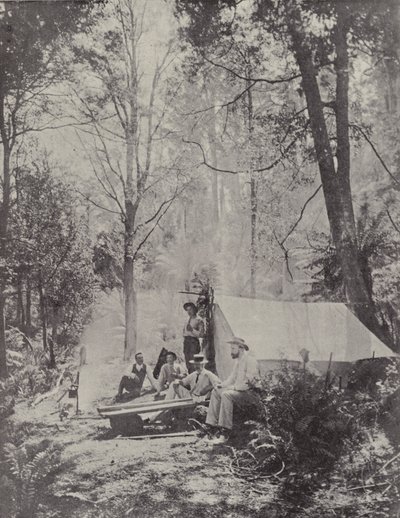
(30, 468)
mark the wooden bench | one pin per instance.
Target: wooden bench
(126, 419)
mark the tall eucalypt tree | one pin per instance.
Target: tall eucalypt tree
(125, 92)
(318, 36)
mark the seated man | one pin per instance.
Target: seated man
(234, 390)
(199, 383)
(133, 380)
(170, 372)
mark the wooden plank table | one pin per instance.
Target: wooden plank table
(126, 418)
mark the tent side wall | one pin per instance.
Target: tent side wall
(222, 332)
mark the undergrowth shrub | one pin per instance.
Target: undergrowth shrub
(310, 420)
(309, 424)
(29, 469)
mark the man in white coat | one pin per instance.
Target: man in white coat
(235, 390)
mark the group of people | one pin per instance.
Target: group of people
(197, 382)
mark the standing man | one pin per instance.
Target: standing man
(199, 383)
(233, 391)
(192, 332)
(133, 380)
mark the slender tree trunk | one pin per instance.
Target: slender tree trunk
(20, 303)
(391, 61)
(43, 317)
(335, 184)
(54, 324)
(214, 175)
(222, 197)
(253, 245)
(253, 200)
(4, 217)
(28, 311)
(3, 354)
(47, 344)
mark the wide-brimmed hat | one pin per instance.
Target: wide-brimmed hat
(238, 341)
(188, 305)
(198, 358)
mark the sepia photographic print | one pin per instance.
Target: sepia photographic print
(199, 258)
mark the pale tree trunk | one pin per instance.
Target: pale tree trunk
(3, 354)
(214, 175)
(253, 200)
(253, 244)
(132, 187)
(129, 286)
(335, 184)
(54, 324)
(222, 210)
(4, 217)
(47, 344)
(391, 61)
(28, 308)
(210, 99)
(20, 303)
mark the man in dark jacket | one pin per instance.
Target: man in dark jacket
(133, 380)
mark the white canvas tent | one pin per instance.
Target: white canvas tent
(277, 331)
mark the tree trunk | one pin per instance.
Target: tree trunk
(253, 245)
(336, 187)
(130, 310)
(391, 59)
(3, 354)
(47, 344)
(4, 217)
(253, 199)
(28, 313)
(214, 175)
(20, 304)
(129, 286)
(54, 324)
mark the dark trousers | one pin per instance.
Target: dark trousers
(191, 346)
(131, 386)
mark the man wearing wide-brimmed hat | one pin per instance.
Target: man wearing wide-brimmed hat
(199, 383)
(192, 332)
(233, 391)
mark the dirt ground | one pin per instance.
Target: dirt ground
(103, 476)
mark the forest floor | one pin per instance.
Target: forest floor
(103, 476)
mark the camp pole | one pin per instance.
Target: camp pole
(328, 372)
(77, 393)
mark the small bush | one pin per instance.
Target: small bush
(30, 467)
(310, 419)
